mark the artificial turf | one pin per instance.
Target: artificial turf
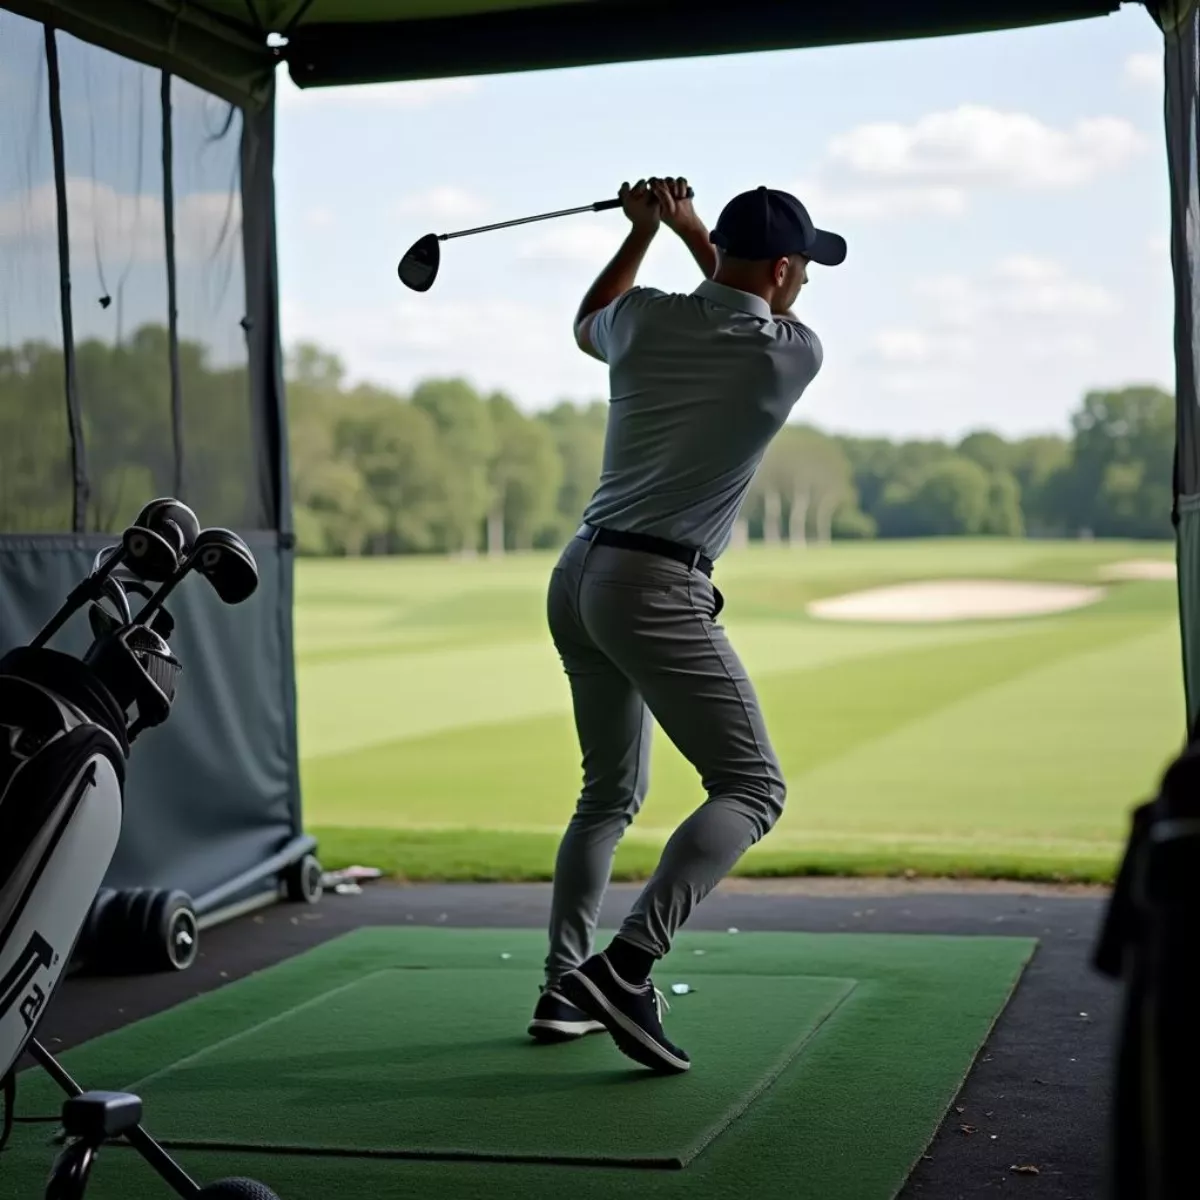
(394, 1061)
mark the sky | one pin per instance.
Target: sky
(1004, 197)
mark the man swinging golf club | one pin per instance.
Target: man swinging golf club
(700, 384)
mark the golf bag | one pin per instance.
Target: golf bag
(66, 728)
(1148, 943)
(63, 748)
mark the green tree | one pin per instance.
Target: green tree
(465, 432)
(578, 432)
(988, 449)
(1035, 463)
(1004, 516)
(524, 474)
(396, 449)
(949, 497)
(1118, 480)
(805, 477)
(333, 510)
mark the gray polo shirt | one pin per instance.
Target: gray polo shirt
(700, 384)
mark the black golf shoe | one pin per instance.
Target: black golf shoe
(557, 1020)
(632, 1013)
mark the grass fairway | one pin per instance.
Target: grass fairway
(436, 735)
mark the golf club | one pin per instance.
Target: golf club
(150, 549)
(419, 266)
(223, 559)
(163, 531)
(102, 621)
(138, 668)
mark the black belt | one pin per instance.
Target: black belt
(649, 544)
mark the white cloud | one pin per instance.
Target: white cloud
(844, 202)
(909, 347)
(901, 346)
(885, 170)
(1023, 310)
(446, 202)
(974, 146)
(125, 226)
(1015, 286)
(571, 245)
(320, 217)
(1041, 288)
(406, 95)
(1144, 70)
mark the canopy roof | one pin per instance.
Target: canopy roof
(223, 44)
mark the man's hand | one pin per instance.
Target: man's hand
(678, 214)
(640, 206)
(677, 211)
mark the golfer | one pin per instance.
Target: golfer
(700, 384)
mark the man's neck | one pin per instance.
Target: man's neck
(741, 284)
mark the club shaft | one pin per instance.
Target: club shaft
(562, 212)
(81, 593)
(596, 206)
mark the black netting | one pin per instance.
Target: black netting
(36, 475)
(220, 452)
(112, 150)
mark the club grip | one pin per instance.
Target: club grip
(602, 205)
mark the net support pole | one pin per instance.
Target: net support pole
(168, 169)
(74, 417)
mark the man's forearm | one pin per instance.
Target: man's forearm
(620, 274)
(695, 238)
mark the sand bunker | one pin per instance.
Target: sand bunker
(955, 600)
(1139, 568)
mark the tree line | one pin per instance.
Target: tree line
(450, 469)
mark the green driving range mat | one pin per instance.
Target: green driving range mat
(395, 1061)
(434, 1063)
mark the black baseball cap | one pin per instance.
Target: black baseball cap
(768, 224)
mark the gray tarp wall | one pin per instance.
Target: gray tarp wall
(139, 357)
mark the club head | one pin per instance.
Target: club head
(161, 622)
(102, 621)
(419, 266)
(113, 590)
(226, 562)
(104, 557)
(149, 555)
(173, 519)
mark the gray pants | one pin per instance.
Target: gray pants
(638, 640)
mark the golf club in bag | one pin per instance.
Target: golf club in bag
(66, 728)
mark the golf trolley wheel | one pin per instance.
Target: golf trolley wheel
(303, 880)
(144, 930)
(237, 1189)
(174, 934)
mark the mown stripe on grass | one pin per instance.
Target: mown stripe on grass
(365, 700)
(526, 772)
(1083, 738)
